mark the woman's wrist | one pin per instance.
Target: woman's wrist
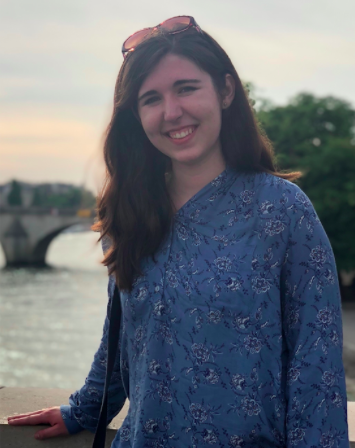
(70, 421)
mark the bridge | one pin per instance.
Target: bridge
(26, 232)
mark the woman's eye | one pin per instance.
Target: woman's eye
(187, 89)
(151, 100)
(154, 99)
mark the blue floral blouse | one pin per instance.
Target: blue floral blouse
(233, 338)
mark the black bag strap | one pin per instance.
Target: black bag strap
(113, 334)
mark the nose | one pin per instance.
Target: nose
(172, 109)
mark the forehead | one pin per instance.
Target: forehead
(170, 69)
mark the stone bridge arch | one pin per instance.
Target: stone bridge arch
(26, 233)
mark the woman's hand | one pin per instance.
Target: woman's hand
(49, 416)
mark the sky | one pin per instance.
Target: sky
(59, 61)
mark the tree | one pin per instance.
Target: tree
(44, 196)
(316, 136)
(329, 181)
(298, 129)
(14, 197)
(37, 197)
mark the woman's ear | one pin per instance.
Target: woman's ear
(228, 91)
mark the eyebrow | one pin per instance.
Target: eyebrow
(176, 84)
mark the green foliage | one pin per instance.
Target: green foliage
(316, 136)
(330, 183)
(14, 197)
(37, 200)
(306, 124)
(249, 89)
(88, 200)
(75, 197)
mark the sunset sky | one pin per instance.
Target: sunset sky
(59, 61)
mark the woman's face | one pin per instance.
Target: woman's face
(180, 111)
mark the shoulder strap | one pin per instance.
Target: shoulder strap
(113, 334)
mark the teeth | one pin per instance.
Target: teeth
(181, 134)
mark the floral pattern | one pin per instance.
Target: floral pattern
(233, 337)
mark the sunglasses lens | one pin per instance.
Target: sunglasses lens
(136, 39)
(176, 24)
(173, 25)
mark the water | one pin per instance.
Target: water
(51, 320)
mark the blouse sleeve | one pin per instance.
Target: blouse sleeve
(84, 404)
(316, 399)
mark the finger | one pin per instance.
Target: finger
(47, 433)
(26, 414)
(35, 419)
(14, 417)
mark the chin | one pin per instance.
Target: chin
(187, 156)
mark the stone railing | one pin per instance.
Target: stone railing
(66, 211)
(15, 400)
(18, 400)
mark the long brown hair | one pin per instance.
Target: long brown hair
(134, 207)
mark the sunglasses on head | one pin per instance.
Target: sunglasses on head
(174, 25)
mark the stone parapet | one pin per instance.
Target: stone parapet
(16, 400)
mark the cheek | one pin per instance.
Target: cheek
(207, 108)
(150, 123)
(212, 119)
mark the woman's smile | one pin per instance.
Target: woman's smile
(182, 136)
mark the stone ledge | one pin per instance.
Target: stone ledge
(16, 400)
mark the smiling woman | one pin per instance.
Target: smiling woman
(179, 106)
(230, 324)
(171, 81)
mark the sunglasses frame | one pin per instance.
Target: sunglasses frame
(192, 23)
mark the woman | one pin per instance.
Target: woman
(231, 318)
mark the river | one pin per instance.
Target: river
(51, 319)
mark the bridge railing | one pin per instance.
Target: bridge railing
(55, 211)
